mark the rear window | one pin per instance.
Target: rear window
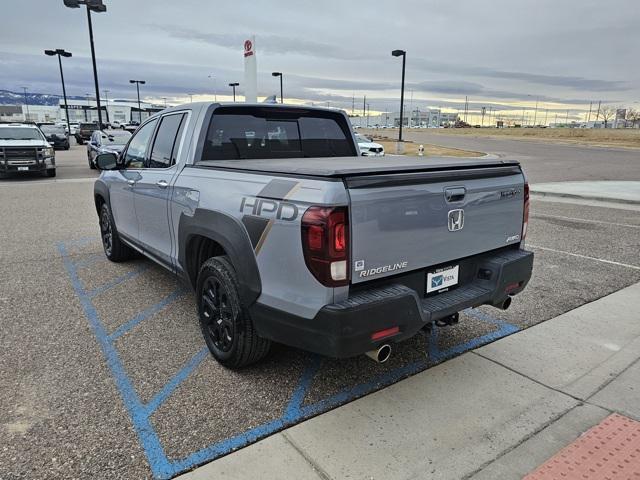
(242, 133)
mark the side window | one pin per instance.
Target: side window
(135, 155)
(165, 145)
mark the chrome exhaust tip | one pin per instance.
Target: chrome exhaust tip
(381, 354)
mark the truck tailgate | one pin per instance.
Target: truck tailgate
(408, 221)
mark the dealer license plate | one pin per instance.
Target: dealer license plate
(23, 169)
(442, 278)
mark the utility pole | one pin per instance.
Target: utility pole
(106, 100)
(598, 114)
(26, 103)
(535, 112)
(566, 121)
(589, 116)
(92, 6)
(62, 53)
(403, 54)
(138, 83)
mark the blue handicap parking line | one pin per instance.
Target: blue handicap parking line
(295, 411)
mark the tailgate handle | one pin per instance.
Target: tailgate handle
(455, 194)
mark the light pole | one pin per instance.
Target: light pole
(92, 6)
(215, 90)
(62, 53)
(234, 85)
(138, 83)
(88, 107)
(26, 103)
(190, 97)
(165, 101)
(106, 107)
(403, 54)
(279, 74)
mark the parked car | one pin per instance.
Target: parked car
(56, 136)
(85, 130)
(130, 126)
(24, 148)
(369, 148)
(104, 141)
(286, 235)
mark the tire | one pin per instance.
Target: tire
(67, 146)
(92, 165)
(114, 249)
(51, 172)
(226, 325)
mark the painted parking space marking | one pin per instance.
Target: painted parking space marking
(587, 257)
(295, 409)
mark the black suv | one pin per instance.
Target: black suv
(85, 130)
(56, 136)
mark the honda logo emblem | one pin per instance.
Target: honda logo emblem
(456, 220)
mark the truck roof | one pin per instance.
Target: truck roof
(353, 166)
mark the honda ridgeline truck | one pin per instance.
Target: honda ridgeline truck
(287, 235)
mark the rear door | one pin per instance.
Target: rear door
(411, 221)
(153, 189)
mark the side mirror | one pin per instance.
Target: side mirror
(107, 161)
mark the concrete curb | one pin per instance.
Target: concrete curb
(584, 197)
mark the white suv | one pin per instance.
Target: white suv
(24, 148)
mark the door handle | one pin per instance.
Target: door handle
(455, 194)
(131, 182)
(162, 183)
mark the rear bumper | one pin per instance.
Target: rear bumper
(344, 329)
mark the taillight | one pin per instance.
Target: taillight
(325, 243)
(525, 216)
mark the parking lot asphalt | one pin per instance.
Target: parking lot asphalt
(104, 370)
(543, 161)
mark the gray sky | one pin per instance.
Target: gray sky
(502, 54)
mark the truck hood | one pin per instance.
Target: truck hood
(24, 143)
(355, 166)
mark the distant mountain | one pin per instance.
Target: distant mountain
(17, 98)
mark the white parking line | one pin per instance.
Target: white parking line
(634, 267)
(544, 215)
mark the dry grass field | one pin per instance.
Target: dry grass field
(411, 148)
(604, 137)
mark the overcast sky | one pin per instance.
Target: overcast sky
(502, 53)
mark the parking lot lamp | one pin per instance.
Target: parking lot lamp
(98, 7)
(61, 53)
(279, 74)
(26, 103)
(403, 54)
(234, 85)
(215, 90)
(138, 83)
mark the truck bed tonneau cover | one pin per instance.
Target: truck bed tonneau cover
(354, 166)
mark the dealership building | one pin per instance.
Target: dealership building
(80, 111)
(112, 110)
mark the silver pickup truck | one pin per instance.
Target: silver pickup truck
(287, 235)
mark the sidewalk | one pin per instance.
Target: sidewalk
(608, 191)
(494, 413)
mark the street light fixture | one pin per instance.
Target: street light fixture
(215, 90)
(138, 83)
(98, 7)
(279, 74)
(26, 103)
(61, 53)
(403, 54)
(234, 85)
